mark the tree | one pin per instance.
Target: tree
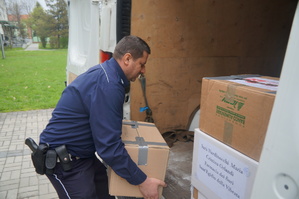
(17, 9)
(58, 12)
(28, 6)
(40, 22)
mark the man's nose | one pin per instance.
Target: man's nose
(142, 70)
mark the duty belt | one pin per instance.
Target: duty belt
(45, 159)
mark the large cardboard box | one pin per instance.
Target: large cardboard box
(148, 150)
(219, 171)
(236, 110)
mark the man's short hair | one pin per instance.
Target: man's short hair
(133, 45)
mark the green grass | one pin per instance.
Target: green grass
(31, 79)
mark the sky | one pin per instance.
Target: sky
(42, 3)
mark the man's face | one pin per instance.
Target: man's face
(136, 67)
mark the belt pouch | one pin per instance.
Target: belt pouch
(64, 157)
(39, 157)
(51, 159)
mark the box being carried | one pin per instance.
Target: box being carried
(219, 171)
(147, 149)
(236, 110)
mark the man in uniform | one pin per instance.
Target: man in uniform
(88, 119)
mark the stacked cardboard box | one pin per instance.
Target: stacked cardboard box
(234, 116)
(148, 150)
(236, 110)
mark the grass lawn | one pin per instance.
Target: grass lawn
(31, 79)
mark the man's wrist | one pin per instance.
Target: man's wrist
(138, 178)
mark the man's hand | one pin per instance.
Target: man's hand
(149, 188)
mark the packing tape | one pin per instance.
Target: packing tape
(142, 144)
(143, 151)
(228, 132)
(230, 93)
(135, 124)
(143, 148)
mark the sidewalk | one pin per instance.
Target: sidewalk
(17, 176)
(32, 46)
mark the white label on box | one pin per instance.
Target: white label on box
(258, 82)
(221, 172)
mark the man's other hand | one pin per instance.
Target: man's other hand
(149, 188)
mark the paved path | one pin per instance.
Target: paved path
(17, 176)
(32, 46)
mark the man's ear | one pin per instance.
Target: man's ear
(126, 58)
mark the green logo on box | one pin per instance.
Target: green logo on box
(234, 103)
(235, 117)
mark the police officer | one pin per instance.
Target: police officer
(88, 119)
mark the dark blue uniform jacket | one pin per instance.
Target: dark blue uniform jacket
(88, 118)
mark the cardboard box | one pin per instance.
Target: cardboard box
(147, 149)
(236, 110)
(219, 171)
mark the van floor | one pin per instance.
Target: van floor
(178, 173)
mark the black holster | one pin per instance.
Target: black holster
(38, 158)
(45, 159)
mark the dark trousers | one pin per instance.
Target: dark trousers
(86, 180)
